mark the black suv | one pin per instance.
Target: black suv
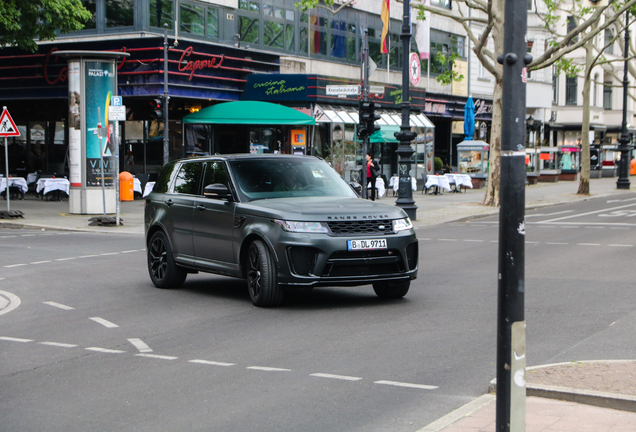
(279, 221)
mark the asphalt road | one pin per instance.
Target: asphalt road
(87, 342)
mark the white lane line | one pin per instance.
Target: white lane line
(105, 350)
(1, 278)
(549, 214)
(340, 377)
(65, 259)
(268, 369)
(27, 235)
(620, 228)
(88, 256)
(58, 305)
(104, 322)
(140, 345)
(529, 242)
(129, 251)
(213, 363)
(40, 262)
(494, 241)
(12, 339)
(109, 253)
(446, 239)
(620, 245)
(594, 227)
(14, 302)
(588, 244)
(14, 265)
(156, 356)
(9, 236)
(556, 243)
(475, 241)
(587, 214)
(58, 344)
(401, 384)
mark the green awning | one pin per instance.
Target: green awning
(249, 112)
(385, 135)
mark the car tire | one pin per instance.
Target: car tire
(392, 289)
(262, 281)
(164, 271)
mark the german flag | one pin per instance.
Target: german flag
(385, 25)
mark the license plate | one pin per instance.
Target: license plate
(366, 244)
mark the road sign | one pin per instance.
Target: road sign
(116, 101)
(335, 90)
(414, 68)
(7, 125)
(376, 90)
(117, 113)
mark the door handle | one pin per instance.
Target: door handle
(169, 202)
(201, 207)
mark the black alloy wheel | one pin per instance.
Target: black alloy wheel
(164, 271)
(391, 289)
(261, 276)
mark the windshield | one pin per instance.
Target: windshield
(287, 177)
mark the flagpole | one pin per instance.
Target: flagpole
(388, 59)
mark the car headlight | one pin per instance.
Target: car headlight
(402, 224)
(303, 227)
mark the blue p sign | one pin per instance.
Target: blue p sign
(116, 101)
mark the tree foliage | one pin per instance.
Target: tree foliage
(23, 22)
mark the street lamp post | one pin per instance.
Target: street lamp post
(166, 98)
(623, 147)
(405, 135)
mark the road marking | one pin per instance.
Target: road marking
(476, 241)
(14, 265)
(14, 302)
(620, 245)
(58, 305)
(446, 239)
(594, 227)
(140, 345)
(623, 200)
(549, 214)
(494, 241)
(157, 356)
(27, 235)
(88, 256)
(213, 363)
(104, 322)
(11, 236)
(12, 339)
(65, 259)
(586, 214)
(401, 384)
(40, 262)
(105, 350)
(109, 253)
(129, 251)
(556, 243)
(531, 242)
(57, 344)
(268, 369)
(340, 377)
(588, 244)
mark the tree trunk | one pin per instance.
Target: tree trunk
(494, 164)
(584, 177)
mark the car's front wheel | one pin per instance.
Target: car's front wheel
(261, 276)
(164, 271)
(391, 289)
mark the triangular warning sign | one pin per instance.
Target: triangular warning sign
(7, 125)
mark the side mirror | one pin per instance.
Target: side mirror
(356, 187)
(217, 191)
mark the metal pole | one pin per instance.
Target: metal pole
(166, 98)
(365, 98)
(6, 166)
(511, 335)
(100, 134)
(405, 135)
(116, 177)
(623, 167)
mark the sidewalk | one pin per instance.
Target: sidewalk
(558, 399)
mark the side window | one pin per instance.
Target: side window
(163, 180)
(216, 172)
(188, 179)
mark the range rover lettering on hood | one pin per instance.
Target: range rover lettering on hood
(357, 217)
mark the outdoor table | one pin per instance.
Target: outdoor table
(459, 180)
(46, 185)
(148, 189)
(439, 181)
(394, 183)
(379, 186)
(14, 182)
(136, 185)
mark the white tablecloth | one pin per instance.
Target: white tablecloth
(437, 180)
(394, 183)
(18, 182)
(460, 180)
(46, 185)
(148, 188)
(136, 185)
(31, 177)
(379, 185)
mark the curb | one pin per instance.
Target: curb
(458, 414)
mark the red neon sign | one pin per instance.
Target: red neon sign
(198, 64)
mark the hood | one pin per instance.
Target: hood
(322, 209)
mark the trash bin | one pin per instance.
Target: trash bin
(632, 168)
(126, 186)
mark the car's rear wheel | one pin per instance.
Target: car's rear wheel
(164, 271)
(391, 289)
(261, 276)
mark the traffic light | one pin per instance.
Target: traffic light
(367, 119)
(156, 112)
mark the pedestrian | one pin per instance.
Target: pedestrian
(373, 172)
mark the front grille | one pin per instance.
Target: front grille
(361, 227)
(302, 259)
(363, 270)
(412, 255)
(363, 263)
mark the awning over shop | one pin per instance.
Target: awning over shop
(249, 112)
(348, 115)
(385, 135)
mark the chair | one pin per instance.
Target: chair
(143, 179)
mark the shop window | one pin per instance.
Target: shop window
(608, 41)
(212, 25)
(191, 19)
(555, 86)
(120, 13)
(607, 95)
(289, 37)
(248, 29)
(571, 90)
(274, 34)
(162, 12)
(594, 89)
(571, 21)
(91, 6)
(442, 46)
(446, 4)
